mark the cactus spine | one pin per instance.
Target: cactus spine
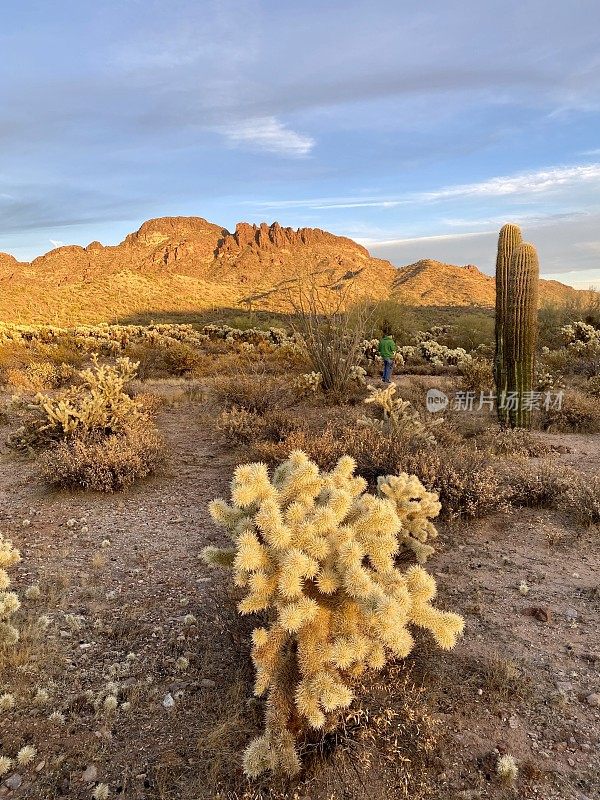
(520, 330)
(508, 240)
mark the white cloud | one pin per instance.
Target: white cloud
(419, 239)
(579, 278)
(522, 184)
(268, 133)
(56, 243)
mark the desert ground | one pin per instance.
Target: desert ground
(132, 675)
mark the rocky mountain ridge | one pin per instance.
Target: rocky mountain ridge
(187, 264)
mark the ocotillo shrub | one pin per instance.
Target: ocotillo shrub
(317, 553)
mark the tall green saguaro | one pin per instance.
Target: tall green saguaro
(508, 240)
(520, 332)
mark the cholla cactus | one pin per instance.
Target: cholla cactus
(580, 333)
(9, 602)
(309, 382)
(358, 374)
(319, 553)
(439, 355)
(415, 507)
(104, 404)
(399, 416)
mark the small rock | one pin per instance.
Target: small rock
(26, 523)
(14, 781)
(90, 774)
(206, 683)
(71, 523)
(513, 722)
(168, 701)
(570, 762)
(571, 614)
(540, 613)
(564, 687)
(593, 700)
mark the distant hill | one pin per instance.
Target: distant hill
(186, 264)
(433, 283)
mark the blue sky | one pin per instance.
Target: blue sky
(417, 128)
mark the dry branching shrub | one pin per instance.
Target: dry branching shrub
(476, 375)
(468, 482)
(540, 484)
(513, 441)
(256, 393)
(374, 452)
(9, 602)
(103, 463)
(318, 555)
(243, 426)
(550, 484)
(592, 387)
(581, 498)
(161, 359)
(579, 413)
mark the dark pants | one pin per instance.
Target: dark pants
(388, 364)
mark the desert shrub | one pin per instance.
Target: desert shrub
(100, 405)
(539, 484)
(171, 358)
(555, 362)
(243, 426)
(467, 481)
(318, 554)
(592, 387)
(9, 602)
(252, 392)
(103, 463)
(476, 375)
(581, 498)
(578, 413)
(550, 484)
(513, 441)
(331, 338)
(470, 331)
(375, 453)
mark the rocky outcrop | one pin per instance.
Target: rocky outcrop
(274, 237)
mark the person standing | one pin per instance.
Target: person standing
(387, 350)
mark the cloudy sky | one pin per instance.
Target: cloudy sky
(416, 127)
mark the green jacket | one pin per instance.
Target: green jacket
(387, 347)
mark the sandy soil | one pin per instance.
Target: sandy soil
(128, 569)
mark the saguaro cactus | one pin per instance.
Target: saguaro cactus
(508, 240)
(520, 332)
